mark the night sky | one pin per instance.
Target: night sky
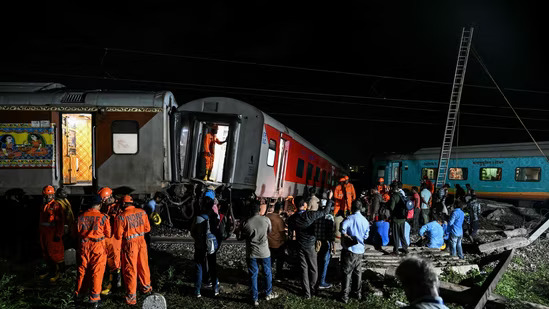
(293, 62)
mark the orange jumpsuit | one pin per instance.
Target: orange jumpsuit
(131, 226)
(93, 228)
(339, 201)
(350, 195)
(209, 149)
(52, 221)
(113, 244)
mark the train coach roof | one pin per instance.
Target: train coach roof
(476, 151)
(233, 106)
(55, 95)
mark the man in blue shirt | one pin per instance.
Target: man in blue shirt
(455, 225)
(381, 231)
(354, 231)
(434, 232)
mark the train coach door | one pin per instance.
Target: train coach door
(77, 155)
(394, 171)
(282, 161)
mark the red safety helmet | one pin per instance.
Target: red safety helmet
(127, 199)
(381, 179)
(342, 179)
(346, 177)
(48, 190)
(105, 192)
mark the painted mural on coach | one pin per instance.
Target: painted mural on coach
(141, 142)
(515, 172)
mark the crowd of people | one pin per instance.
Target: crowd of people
(304, 232)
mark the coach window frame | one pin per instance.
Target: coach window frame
(310, 169)
(539, 178)
(271, 151)
(480, 173)
(121, 131)
(431, 168)
(300, 167)
(464, 172)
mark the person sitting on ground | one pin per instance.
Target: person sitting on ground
(354, 232)
(455, 225)
(381, 231)
(434, 233)
(420, 283)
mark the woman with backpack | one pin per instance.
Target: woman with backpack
(203, 230)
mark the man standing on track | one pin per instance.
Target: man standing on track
(92, 229)
(350, 195)
(130, 227)
(111, 208)
(52, 228)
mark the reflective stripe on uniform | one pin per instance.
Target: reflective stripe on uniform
(134, 236)
(93, 239)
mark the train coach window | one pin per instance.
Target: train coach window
(317, 173)
(457, 173)
(125, 137)
(272, 153)
(431, 173)
(528, 174)
(309, 171)
(490, 173)
(300, 166)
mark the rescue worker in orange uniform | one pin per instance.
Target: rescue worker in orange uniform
(380, 186)
(92, 228)
(131, 226)
(209, 149)
(339, 196)
(112, 209)
(52, 228)
(350, 195)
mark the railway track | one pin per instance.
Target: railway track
(186, 240)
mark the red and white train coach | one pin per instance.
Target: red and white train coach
(143, 143)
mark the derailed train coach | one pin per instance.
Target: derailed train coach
(513, 172)
(139, 143)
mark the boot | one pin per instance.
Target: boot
(58, 269)
(49, 271)
(108, 288)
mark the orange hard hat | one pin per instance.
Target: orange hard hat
(346, 177)
(48, 190)
(381, 179)
(342, 179)
(128, 199)
(105, 192)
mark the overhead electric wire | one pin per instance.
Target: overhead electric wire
(123, 50)
(390, 120)
(173, 84)
(508, 103)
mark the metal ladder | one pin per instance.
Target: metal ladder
(457, 87)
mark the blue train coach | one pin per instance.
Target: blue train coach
(515, 172)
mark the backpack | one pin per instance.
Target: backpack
(211, 240)
(224, 228)
(408, 202)
(401, 208)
